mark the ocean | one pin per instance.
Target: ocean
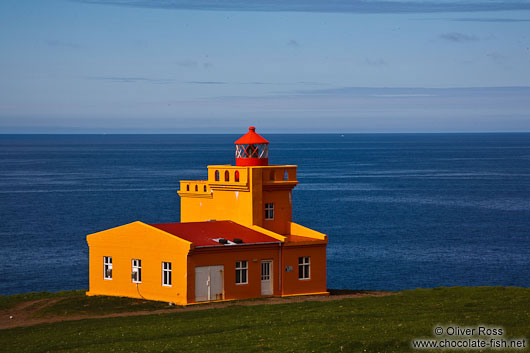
(401, 210)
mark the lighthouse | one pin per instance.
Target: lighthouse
(235, 240)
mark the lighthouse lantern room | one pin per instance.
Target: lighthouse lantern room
(252, 150)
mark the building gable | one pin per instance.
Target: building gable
(138, 234)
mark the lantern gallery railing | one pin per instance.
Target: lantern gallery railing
(252, 151)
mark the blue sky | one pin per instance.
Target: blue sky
(170, 66)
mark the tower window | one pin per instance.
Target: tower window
(166, 274)
(205, 188)
(227, 176)
(196, 187)
(216, 175)
(286, 175)
(136, 274)
(269, 211)
(107, 267)
(187, 188)
(241, 272)
(304, 267)
(236, 176)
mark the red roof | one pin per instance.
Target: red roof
(251, 137)
(203, 233)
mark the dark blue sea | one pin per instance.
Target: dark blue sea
(401, 210)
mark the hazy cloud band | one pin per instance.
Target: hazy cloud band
(341, 6)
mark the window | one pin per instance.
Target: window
(227, 176)
(286, 175)
(187, 188)
(136, 274)
(303, 267)
(241, 272)
(196, 188)
(271, 176)
(166, 274)
(269, 211)
(216, 175)
(204, 188)
(236, 176)
(107, 267)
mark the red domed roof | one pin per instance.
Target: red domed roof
(251, 138)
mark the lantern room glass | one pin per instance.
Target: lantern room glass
(252, 151)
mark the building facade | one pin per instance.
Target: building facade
(236, 240)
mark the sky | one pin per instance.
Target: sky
(292, 66)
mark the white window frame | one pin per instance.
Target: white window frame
(166, 274)
(241, 269)
(136, 268)
(304, 264)
(269, 211)
(107, 265)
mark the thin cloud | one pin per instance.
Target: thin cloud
(293, 43)
(458, 37)
(188, 63)
(375, 62)
(508, 20)
(140, 79)
(497, 58)
(415, 91)
(340, 6)
(207, 82)
(126, 79)
(194, 64)
(61, 44)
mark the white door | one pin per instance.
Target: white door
(266, 277)
(216, 282)
(202, 279)
(208, 283)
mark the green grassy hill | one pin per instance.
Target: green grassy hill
(367, 324)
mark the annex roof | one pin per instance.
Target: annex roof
(204, 233)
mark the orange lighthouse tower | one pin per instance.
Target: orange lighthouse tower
(236, 240)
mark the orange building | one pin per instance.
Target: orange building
(236, 240)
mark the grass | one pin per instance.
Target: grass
(77, 303)
(9, 301)
(368, 324)
(98, 305)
